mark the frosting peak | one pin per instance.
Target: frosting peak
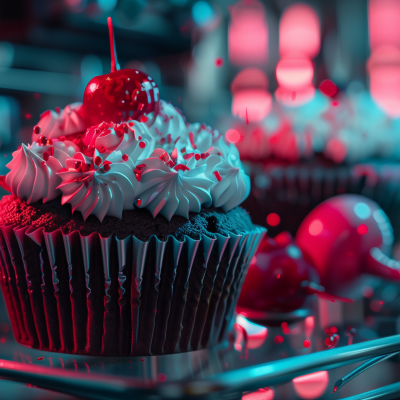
(169, 166)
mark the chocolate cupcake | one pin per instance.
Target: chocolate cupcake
(124, 238)
(298, 157)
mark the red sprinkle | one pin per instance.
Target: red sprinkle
(176, 140)
(97, 160)
(162, 140)
(139, 203)
(188, 155)
(183, 150)
(107, 167)
(181, 167)
(142, 145)
(43, 139)
(191, 138)
(143, 118)
(45, 156)
(131, 124)
(169, 137)
(218, 176)
(219, 62)
(197, 157)
(125, 157)
(174, 154)
(40, 358)
(36, 129)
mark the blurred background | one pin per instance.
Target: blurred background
(213, 59)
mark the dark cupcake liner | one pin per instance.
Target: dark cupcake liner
(104, 296)
(293, 191)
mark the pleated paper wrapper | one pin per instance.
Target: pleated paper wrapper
(104, 296)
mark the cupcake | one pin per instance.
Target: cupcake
(122, 234)
(298, 157)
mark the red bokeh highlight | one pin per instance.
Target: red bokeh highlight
(299, 32)
(219, 62)
(248, 34)
(299, 42)
(285, 328)
(311, 386)
(251, 99)
(273, 219)
(328, 88)
(232, 136)
(362, 229)
(295, 73)
(278, 339)
(260, 394)
(384, 22)
(315, 228)
(307, 343)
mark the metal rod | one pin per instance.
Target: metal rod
(389, 392)
(281, 371)
(106, 387)
(360, 369)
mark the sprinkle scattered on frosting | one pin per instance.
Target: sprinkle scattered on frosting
(170, 168)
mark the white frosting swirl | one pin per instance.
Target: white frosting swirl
(170, 168)
(33, 174)
(68, 121)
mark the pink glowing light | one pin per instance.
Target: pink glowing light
(256, 334)
(260, 394)
(315, 227)
(251, 99)
(294, 73)
(299, 32)
(248, 34)
(252, 105)
(232, 136)
(311, 386)
(294, 98)
(384, 73)
(384, 22)
(309, 324)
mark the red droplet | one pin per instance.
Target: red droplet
(36, 129)
(278, 339)
(285, 328)
(219, 62)
(142, 145)
(307, 343)
(362, 229)
(328, 88)
(125, 157)
(218, 176)
(273, 219)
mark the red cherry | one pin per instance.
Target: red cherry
(120, 95)
(273, 282)
(346, 236)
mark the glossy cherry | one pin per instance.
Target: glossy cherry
(279, 279)
(346, 236)
(120, 95)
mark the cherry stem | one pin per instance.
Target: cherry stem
(114, 61)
